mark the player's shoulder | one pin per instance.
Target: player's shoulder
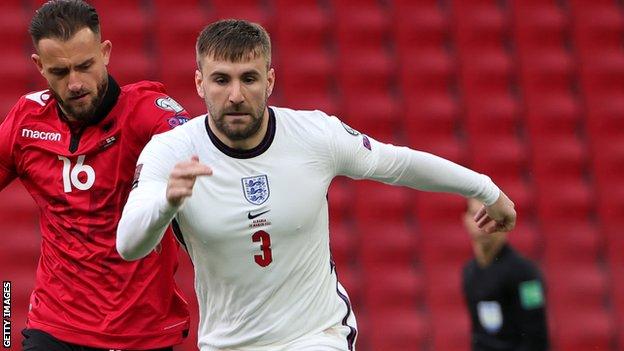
(152, 95)
(186, 132)
(307, 115)
(522, 267)
(308, 120)
(34, 103)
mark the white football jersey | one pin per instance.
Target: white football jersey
(257, 229)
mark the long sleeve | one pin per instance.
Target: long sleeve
(147, 212)
(359, 156)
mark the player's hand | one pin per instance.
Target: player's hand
(498, 217)
(182, 179)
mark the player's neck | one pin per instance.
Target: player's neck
(245, 144)
(485, 254)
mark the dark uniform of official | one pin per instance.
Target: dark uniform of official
(506, 303)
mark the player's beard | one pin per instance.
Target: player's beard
(86, 112)
(237, 134)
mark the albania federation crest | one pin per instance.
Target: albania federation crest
(256, 189)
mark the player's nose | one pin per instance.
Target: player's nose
(75, 83)
(236, 94)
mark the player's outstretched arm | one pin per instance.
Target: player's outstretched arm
(498, 217)
(152, 205)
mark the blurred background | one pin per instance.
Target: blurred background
(530, 92)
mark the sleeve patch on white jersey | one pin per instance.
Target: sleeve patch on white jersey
(366, 142)
(177, 121)
(137, 174)
(350, 130)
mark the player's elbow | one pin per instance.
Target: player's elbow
(126, 249)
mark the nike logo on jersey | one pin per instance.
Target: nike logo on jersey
(252, 216)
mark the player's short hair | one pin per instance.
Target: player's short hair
(233, 40)
(61, 19)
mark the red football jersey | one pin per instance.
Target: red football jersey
(85, 293)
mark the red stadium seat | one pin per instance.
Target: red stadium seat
(396, 289)
(500, 157)
(418, 24)
(360, 26)
(450, 327)
(564, 200)
(488, 72)
(306, 73)
(14, 23)
(552, 115)
(397, 330)
(548, 71)
(431, 115)
(443, 243)
(379, 203)
(582, 329)
(300, 26)
(538, 24)
(340, 200)
(498, 114)
(343, 243)
(604, 115)
(16, 71)
(439, 208)
(570, 242)
(426, 72)
(387, 245)
(597, 26)
(557, 159)
(479, 25)
(575, 284)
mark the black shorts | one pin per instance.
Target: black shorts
(37, 340)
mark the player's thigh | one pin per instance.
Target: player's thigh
(37, 340)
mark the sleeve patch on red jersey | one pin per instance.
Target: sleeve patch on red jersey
(176, 121)
(169, 104)
(137, 174)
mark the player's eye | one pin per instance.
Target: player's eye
(249, 79)
(220, 80)
(84, 67)
(59, 72)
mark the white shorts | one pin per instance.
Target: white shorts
(331, 339)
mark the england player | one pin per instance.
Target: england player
(74, 147)
(246, 185)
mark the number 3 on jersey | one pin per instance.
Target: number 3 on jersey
(70, 174)
(265, 245)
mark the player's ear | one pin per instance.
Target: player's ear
(199, 78)
(271, 81)
(106, 46)
(36, 59)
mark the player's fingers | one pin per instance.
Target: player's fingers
(477, 217)
(194, 158)
(191, 170)
(483, 221)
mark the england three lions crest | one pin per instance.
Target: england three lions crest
(256, 189)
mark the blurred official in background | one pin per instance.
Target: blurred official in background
(504, 292)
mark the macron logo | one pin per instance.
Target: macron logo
(35, 134)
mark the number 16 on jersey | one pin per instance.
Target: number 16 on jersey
(70, 174)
